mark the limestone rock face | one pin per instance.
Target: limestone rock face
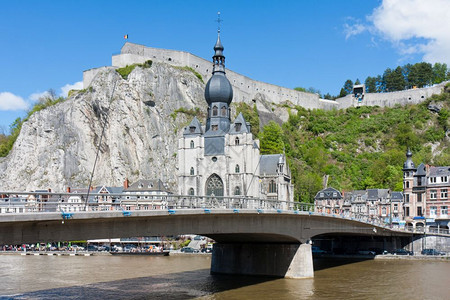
(57, 146)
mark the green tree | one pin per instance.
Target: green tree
(440, 72)
(300, 89)
(357, 81)
(348, 87)
(394, 79)
(420, 75)
(271, 139)
(371, 84)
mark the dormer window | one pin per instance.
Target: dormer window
(237, 127)
(215, 127)
(236, 141)
(141, 185)
(215, 110)
(192, 129)
(223, 111)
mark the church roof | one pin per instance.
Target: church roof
(234, 129)
(268, 164)
(194, 128)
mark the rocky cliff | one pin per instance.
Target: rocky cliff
(143, 113)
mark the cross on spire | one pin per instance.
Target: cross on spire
(218, 21)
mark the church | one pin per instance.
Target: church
(222, 158)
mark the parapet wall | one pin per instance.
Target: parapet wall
(412, 96)
(246, 89)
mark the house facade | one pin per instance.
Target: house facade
(426, 195)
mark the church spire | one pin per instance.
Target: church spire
(218, 58)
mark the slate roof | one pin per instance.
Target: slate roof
(196, 124)
(375, 194)
(142, 185)
(439, 171)
(396, 196)
(268, 164)
(243, 128)
(421, 170)
(328, 193)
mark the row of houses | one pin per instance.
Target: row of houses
(148, 194)
(424, 201)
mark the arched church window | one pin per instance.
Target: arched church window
(192, 171)
(215, 110)
(236, 141)
(191, 192)
(223, 111)
(237, 191)
(192, 144)
(272, 187)
(214, 186)
(236, 169)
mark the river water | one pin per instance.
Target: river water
(187, 277)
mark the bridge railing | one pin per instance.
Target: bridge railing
(35, 202)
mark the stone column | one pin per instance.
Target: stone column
(261, 259)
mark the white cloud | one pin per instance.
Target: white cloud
(76, 86)
(413, 27)
(9, 101)
(354, 29)
(36, 96)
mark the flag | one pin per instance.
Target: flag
(125, 36)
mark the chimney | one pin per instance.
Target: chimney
(68, 189)
(126, 183)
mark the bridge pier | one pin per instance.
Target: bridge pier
(261, 259)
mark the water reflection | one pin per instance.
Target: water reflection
(188, 277)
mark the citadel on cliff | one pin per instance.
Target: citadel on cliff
(57, 146)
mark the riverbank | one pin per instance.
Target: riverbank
(83, 253)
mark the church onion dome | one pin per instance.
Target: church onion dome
(218, 88)
(409, 164)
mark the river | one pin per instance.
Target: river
(187, 277)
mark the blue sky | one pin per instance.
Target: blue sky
(320, 44)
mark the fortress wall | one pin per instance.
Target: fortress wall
(412, 96)
(89, 75)
(246, 89)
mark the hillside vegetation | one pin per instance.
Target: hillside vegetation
(359, 148)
